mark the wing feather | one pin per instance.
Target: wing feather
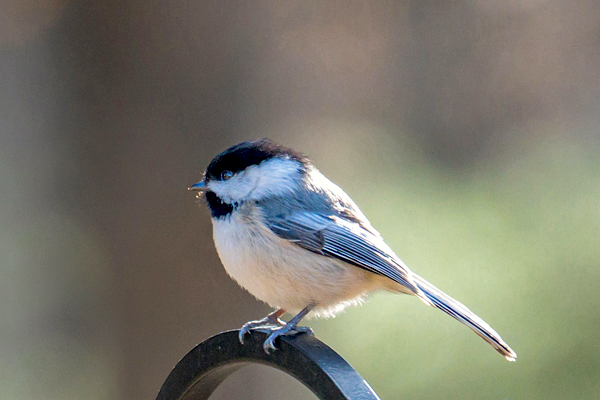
(345, 240)
(348, 241)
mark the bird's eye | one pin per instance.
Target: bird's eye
(225, 175)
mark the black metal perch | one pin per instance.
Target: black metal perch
(303, 357)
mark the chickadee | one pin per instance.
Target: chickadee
(296, 241)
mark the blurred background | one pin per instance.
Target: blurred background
(467, 131)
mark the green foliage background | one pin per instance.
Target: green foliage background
(516, 240)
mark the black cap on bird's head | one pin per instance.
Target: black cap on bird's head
(243, 155)
(239, 157)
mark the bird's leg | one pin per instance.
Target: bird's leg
(270, 320)
(290, 328)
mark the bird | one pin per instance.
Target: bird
(297, 241)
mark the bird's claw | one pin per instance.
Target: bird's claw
(269, 323)
(286, 330)
(277, 327)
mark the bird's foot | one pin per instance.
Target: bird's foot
(289, 329)
(271, 321)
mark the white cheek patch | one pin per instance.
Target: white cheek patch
(270, 178)
(274, 177)
(233, 190)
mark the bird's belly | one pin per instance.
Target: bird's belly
(283, 274)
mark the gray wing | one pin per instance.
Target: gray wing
(345, 240)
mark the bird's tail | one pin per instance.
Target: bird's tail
(458, 311)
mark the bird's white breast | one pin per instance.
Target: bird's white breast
(282, 273)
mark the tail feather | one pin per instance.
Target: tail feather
(458, 311)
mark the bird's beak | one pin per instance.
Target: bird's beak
(199, 187)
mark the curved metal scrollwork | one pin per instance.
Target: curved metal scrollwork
(303, 357)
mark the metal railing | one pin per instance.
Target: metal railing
(303, 357)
